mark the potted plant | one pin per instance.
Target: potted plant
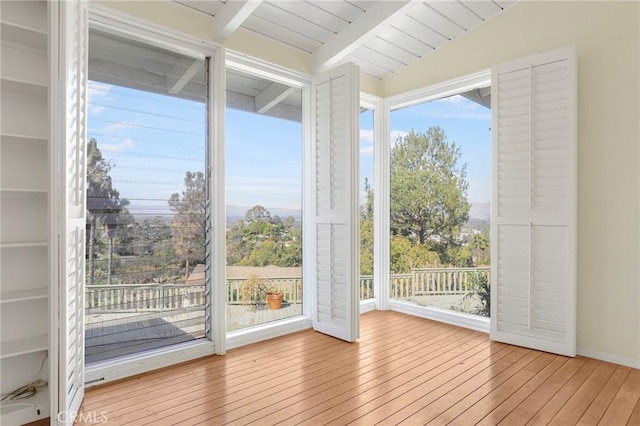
(274, 298)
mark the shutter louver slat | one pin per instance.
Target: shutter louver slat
(533, 221)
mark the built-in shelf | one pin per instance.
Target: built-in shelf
(24, 216)
(28, 409)
(29, 15)
(19, 244)
(24, 115)
(24, 87)
(25, 190)
(23, 295)
(24, 64)
(25, 76)
(20, 154)
(24, 346)
(20, 140)
(16, 34)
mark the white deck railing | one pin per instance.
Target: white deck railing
(161, 297)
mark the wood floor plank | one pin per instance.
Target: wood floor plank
(421, 410)
(534, 402)
(312, 402)
(235, 386)
(317, 391)
(557, 401)
(513, 400)
(599, 405)
(624, 402)
(635, 415)
(386, 399)
(498, 387)
(575, 407)
(403, 369)
(335, 407)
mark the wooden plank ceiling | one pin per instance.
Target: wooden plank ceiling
(382, 37)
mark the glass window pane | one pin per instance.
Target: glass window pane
(264, 200)
(146, 198)
(366, 204)
(440, 166)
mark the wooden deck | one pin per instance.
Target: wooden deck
(403, 370)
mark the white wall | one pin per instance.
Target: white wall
(607, 38)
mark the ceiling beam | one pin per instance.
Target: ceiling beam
(272, 96)
(356, 33)
(182, 73)
(480, 96)
(231, 16)
(244, 102)
(141, 79)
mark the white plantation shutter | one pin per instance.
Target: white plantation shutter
(71, 179)
(335, 109)
(533, 299)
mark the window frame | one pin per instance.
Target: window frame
(376, 104)
(114, 22)
(241, 62)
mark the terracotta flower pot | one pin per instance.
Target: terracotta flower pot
(274, 300)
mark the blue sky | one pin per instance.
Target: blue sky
(152, 140)
(263, 161)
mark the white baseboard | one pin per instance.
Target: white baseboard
(602, 356)
(473, 322)
(259, 333)
(367, 306)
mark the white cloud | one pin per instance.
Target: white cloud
(125, 145)
(366, 142)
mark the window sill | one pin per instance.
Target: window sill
(473, 322)
(127, 366)
(267, 331)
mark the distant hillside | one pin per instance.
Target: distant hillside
(237, 212)
(480, 211)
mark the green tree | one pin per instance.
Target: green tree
(262, 239)
(428, 190)
(188, 226)
(407, 255)
(366, 231)
(105, 208)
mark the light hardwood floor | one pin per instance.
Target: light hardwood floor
(403, 369)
